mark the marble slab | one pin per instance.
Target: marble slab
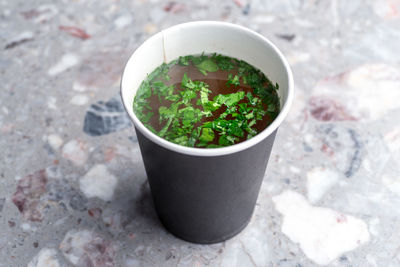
(73, 189)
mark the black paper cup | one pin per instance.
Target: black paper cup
(206, 195)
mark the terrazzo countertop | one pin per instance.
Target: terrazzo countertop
(73, 189)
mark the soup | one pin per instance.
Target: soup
(206, 101)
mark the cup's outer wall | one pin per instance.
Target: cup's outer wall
(205, 199)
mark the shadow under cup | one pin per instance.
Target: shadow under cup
(206, 195)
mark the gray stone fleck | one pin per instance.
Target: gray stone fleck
(106, 117)
(78, 202)
(2, 202)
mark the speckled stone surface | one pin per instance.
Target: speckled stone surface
(73, 189)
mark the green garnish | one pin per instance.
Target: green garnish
(223, 62)
(233, 80)
(230, 99)
(207, 65)
(186, 112)
(207, 135)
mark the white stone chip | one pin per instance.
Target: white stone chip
(55, 141)
(79, 100)
(66, 62)
(319, 181)
(123, 21)
(47, 257)
(323, 234)
(98, 182)
(76, 151)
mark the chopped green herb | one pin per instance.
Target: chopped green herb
(159, 88)
(181, 140)
(226, 140)
(229, 99)
(207, 135)
(271, 108)
(165, 128)
(186, 82)
(249, 115)
(223, 62)
(147, 117)
(184, 61)
(190, 116)
(172, 98)
(167, 113)
(187, 96)
(207, 65)
(252, 122)
(144, 91)
(233, 80)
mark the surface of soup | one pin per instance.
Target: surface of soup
(206, 101)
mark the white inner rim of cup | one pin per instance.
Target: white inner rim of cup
(180, 40)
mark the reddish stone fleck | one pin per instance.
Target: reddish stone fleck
(7, 128)
(95, 212)
(174, 7)
(27, 195)
(86, 248)
(326, 109)
(238, 3)
(76, 32)
(116, 221)
(11, 223)
(327, 150)
(109, 154)
(131, 236)
(41, 14)
(341, 218)
(33, 13)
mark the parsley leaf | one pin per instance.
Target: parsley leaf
(207, 65)
(229, 99)
(144, 90)
(223, 126)
(168, 113)
(207, 135)
(172, 98)
(190, 116)
(184, 61)
(185, 81)
(198, 59)
(187, 96)
(165, 128)
(227, 140)
(271, 107)
(194, 136)
(181, 140)
(233, 80)
(161, 89)
(147, 117)
(223, 62)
